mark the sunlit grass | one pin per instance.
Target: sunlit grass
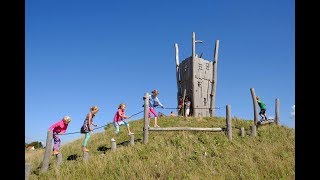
(177, 154)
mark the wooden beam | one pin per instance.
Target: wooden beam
(266, 122)
(185, 129)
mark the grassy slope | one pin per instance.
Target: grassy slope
(178, 154)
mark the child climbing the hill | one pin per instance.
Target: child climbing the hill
(59, 127)
(153, 103)
(87, 128)
(118, 120)
(263, 109)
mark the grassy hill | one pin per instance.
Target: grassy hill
(177, 154)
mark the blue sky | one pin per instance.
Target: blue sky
(84, 53)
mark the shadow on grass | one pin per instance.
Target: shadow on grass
(104, 149)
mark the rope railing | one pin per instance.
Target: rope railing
(194, 108)
(131, 117)
(100, 126)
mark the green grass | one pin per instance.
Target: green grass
(177, 154)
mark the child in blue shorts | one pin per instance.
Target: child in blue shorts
(118, 120)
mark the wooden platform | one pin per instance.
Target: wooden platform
(265, 122)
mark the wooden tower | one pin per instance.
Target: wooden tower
(197, 79)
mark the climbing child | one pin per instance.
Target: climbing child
(153, 103)
(118, 120)
(59, 127)
(263, 109)
(87, 128)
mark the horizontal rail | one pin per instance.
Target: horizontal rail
(185, 129)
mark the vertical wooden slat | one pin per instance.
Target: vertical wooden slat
(228, 122)
(255, 106)
(48, 150)
(214, 81)
(277, 115)
(146, 118)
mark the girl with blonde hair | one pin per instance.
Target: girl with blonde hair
(59, 127)
(87, 128)
(118, 120)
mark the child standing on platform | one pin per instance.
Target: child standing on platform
(153, 103)
(263, 109)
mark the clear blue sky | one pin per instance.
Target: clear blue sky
(84, 53)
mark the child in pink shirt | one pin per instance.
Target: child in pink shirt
(59, 127)
(118, 120)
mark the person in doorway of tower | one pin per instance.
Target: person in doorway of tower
(180, 106)
(263, 109)
(187, 105)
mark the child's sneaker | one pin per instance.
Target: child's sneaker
(131, 133)
(113, 140)
(156, 126)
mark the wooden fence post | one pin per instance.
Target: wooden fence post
(253, 130)
(146, 118)
(113, 145)
(48, 150)
(277, 116)
(85, 156)
(242, 132)
(255, 106)
(214, 81)
(228, 122)
(183, 99)
(27, 169)
(59, 159)
(131, 139)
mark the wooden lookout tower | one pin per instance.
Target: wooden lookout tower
(197, 79)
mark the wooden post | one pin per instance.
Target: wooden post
(277, 116)
(113, 145)
(59, 159)
(177, 70)
(214, 81)
(193, 45)
(242, 132)
(85, 156)
(146, 118)
(228, 122)
(184, 97)
(27, 170)
(253, 130)
(48, 150)
(131, 139)
(255, 106)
